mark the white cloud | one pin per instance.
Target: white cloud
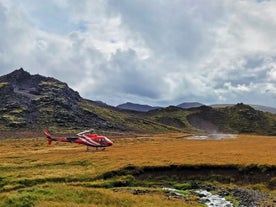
(156, 52)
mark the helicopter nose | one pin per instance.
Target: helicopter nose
(109, 142)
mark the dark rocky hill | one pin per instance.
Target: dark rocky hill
(36, 102)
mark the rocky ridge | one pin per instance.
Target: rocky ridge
(34, 101)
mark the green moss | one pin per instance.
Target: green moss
(14, 121)
(17, 111)
(233, 200)
(61, 99)
(10, 117)
(48, 109)
(4, 109)
(272, 183)
(2, 84)
(52, 84)
(20, 200)
(183, 186)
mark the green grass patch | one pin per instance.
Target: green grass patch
(2, 84)
(52, 84)
(64, 195)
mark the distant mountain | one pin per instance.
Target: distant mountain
(137, 107)
(187, 105)
(146, 108)
(256, 107)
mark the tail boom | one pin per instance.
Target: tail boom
(59, 139)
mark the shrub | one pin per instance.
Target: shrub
(20, 200)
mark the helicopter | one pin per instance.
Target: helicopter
(87, 137)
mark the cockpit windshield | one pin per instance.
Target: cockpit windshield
(108, 140)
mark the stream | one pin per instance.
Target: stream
(211, 200)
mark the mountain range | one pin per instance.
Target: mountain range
(137, 107)
(35, 102)
(146, 108)
(188, 105)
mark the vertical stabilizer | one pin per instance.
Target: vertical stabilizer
(46, 132)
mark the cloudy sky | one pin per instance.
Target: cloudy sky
(157, 52)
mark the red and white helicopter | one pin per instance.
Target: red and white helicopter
(86, 137)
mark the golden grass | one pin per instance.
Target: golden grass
(164, 150)
(22, 160)
(167, 149)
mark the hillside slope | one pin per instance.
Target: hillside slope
(239, 118)
(256, 107)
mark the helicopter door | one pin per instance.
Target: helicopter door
(102, 142)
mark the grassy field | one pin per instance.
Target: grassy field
(63, 174)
